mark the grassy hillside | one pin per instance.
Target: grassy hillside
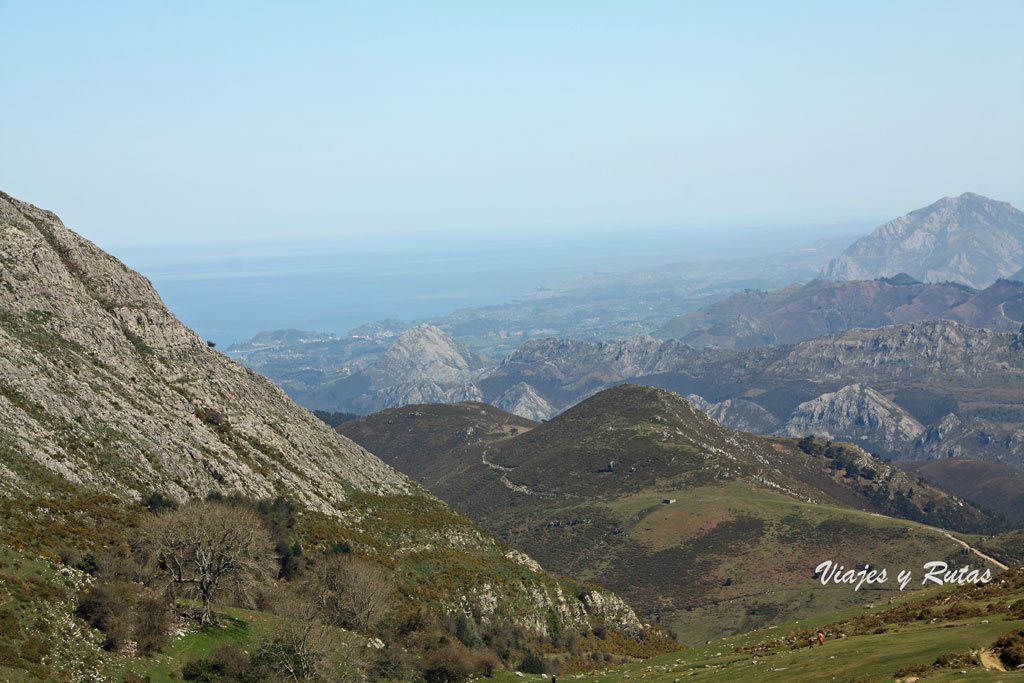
(751, 516)
(944, 635)
(414, 436)
(450, 582)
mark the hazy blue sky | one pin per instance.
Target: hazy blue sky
(162, 121)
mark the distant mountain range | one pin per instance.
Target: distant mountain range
(935, 389)
(929, 389)
(919, 390)
(968, 239)
(706, 529)
(606, 305)
(821, 307)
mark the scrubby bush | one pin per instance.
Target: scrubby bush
(392, 664)
(227, 663)
(152, 622)
(123, 614)
(532, 664)
(1011, 649)
(809, 446)
(290, 560)
(350, 592)
(157, 502)
(450, 663)
(200, 671)
(915, 670)
(465, 631)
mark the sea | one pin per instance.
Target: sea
(229, 290)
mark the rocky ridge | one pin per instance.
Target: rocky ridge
(910, 371)
(737, 413)
(524, 401)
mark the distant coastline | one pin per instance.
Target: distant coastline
(230, 291)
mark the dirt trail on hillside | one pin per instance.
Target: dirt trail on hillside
(518, 488)
(975, 551)
(990, 661)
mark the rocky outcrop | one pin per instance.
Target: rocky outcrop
(968, 239)
(858, 413)
(971, 437)
(524, 401)
(921, 352)
(102, 386)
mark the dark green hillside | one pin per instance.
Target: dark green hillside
(993, 485)
(414, 436)
(631, 438)
(1007, 547)
(736, 548)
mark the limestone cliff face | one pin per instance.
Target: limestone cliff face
(920, 352)
(856, 412)
(423, 391)
(101, 385)
(973, 437)
(968, 239)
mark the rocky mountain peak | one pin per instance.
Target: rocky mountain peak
(426, 352)
(523, 400)
(968, 239)
(856, 411)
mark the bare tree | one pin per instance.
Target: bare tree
(206, 546)
(350, 592)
